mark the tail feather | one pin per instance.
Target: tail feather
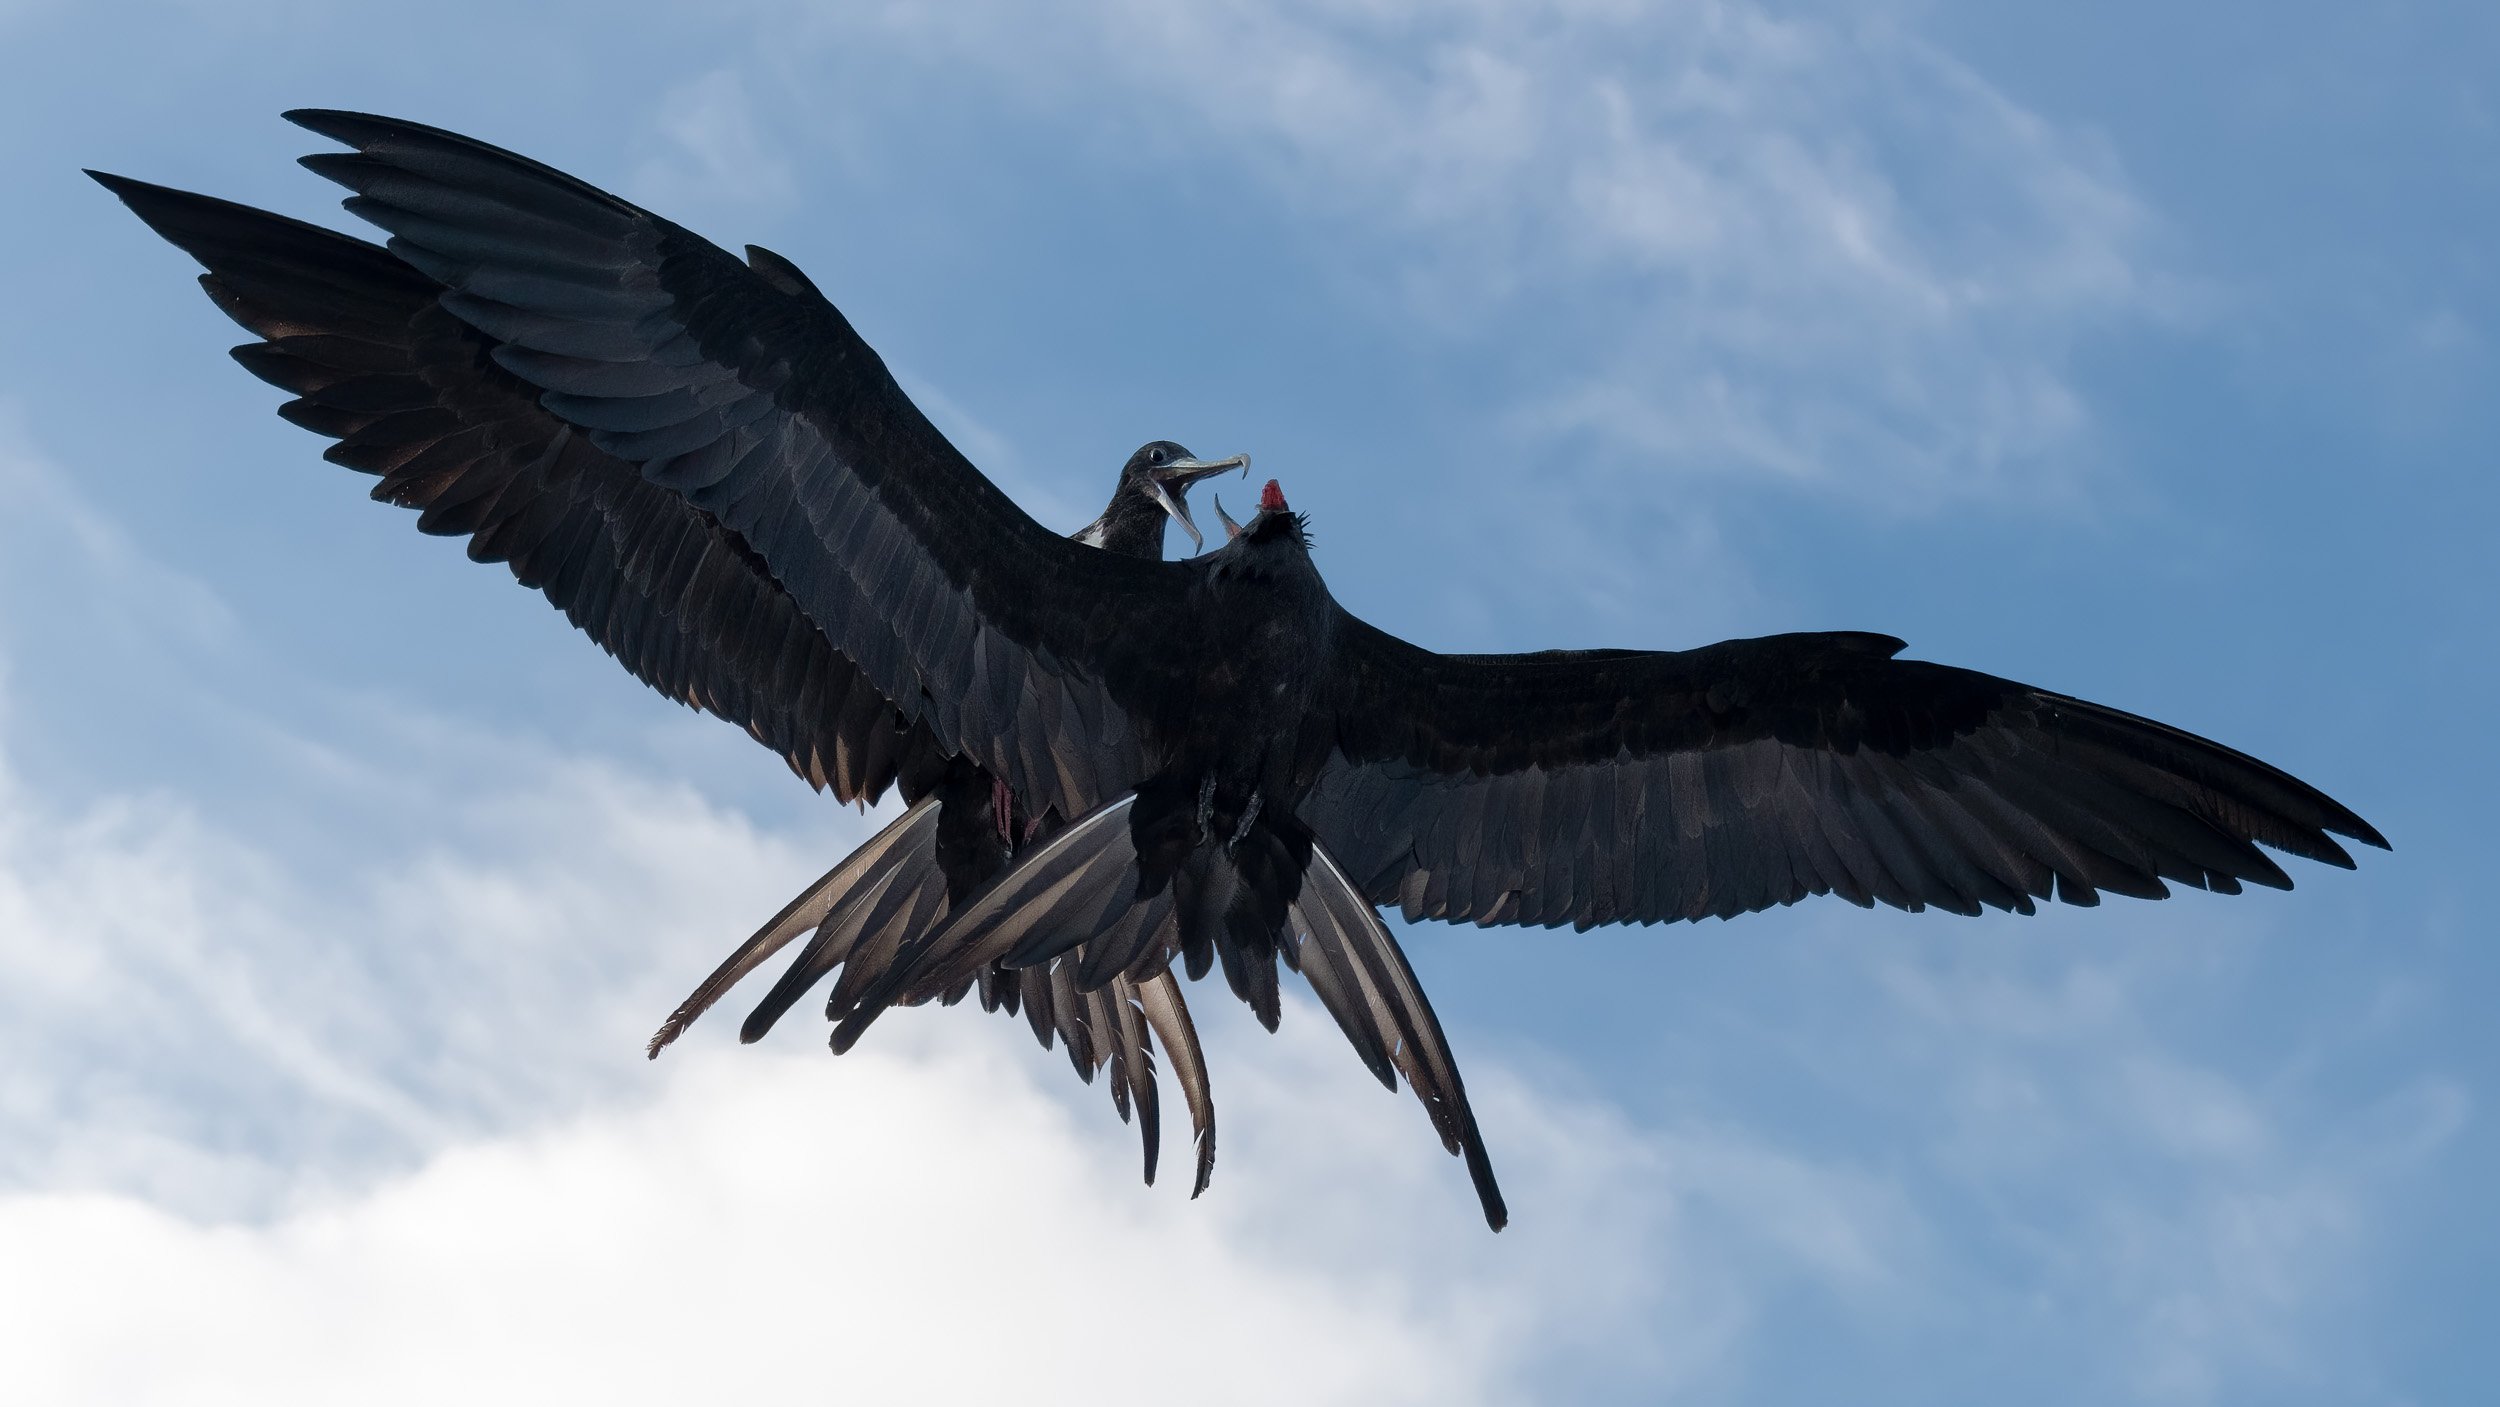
(1133, 1066)
(909, 832)
(1109, 1002)
(1068, 888)
(1123, 946)
(1076, 1024)
(1085, 894)
(1159, 997)
(1370, 989)
(1252, 976)
(1345, 989)
(1103, 1020)
(1033, 984)
(876, 927)
(865, 891)
(999, 991)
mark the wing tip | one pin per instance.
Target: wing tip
(669, 1031)
(341, 125)
(122, 186)
(155, 205)
(398, 142)
(2352, 827)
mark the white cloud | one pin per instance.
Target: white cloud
(902, 1230)
(927, 1226)
(391, 1129)
(168, 982)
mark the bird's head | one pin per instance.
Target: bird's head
(1274, 521)
(1160, 474)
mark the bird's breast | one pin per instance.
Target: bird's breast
(1259, 679)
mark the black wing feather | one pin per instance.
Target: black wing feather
(424, 401)
(414, 396)
(753, 398)
(1588, 787)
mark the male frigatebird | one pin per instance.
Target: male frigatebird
(414, 395)
(1249, 769)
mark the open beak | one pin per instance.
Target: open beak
(1169, 482)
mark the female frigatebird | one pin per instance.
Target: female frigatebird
(1250, 768)
(414, 395)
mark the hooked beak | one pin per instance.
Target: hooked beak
(1231, 529)
(1169, 481)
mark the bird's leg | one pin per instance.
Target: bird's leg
(1003, 805)
(1241, 828)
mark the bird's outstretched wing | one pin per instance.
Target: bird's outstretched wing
(744, 392)
(1606, 786)
(414, 395)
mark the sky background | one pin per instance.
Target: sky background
(2132, 350)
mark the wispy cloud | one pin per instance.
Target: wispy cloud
(1804, 245)
(2208, 1225)
(53, 532)
(713, 153)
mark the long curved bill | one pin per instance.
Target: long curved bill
(1170, 485)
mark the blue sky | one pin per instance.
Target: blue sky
(2134, 353)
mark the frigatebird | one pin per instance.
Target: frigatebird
(962, 828)
(1247, 768)
(413, 394)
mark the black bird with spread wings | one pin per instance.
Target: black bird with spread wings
(1245, 770)
(414, 395)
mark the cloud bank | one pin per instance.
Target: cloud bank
(276, 1140)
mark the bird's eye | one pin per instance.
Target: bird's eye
(1154, 456)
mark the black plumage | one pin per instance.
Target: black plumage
(416, 396)
(1244, 768)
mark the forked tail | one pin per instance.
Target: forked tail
(1096, 885)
